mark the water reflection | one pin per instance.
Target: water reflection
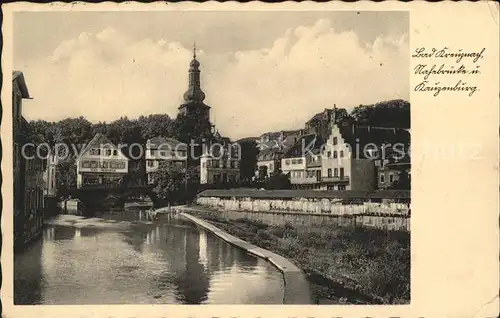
(169, 262)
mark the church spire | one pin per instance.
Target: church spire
(194, 92)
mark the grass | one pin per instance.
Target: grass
(343, 264)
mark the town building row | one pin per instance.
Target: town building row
(333, 152)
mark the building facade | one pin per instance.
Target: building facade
(394, 173)
(50, 184)
(272, 147)
(28, 171)
(220, 164)
(49, 177)
(161, 149)
(101, 164)
(351, 152)
(302, 162)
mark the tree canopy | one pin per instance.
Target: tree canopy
(393, 113)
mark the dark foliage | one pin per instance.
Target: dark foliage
(394, 113)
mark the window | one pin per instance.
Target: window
(335, 172)
(294, 161)
(329, 173)
(204, 165)
(108, 152)
(329, 155)
(287, 162)
(335, 154)
(391, 178)
(115, 152)
(341, 153)
(334, 140)
(270, 166)
(299, 161)
(342, 173)
(163, 153)
(151, 163)
(382, 179)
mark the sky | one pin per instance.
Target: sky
(261, 71)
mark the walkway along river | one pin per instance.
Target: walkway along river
(170, 261)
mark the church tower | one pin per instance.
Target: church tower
(194, 96)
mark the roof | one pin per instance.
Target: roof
(250, 139)
(98, 140)
(166, 142)
(310, 142)
(19, 77)
(271, 152)
(360, 137)
(309, 194)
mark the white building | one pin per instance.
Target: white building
(101, 164)
(161, 149)
(49, 177)
(220, 165)
(302, 162)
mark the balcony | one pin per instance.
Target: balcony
(336, 179)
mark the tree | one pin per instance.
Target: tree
(45, 129)
(193, 126)
(158, 125)
(393, 113)
(169, 182)
(279, 181)
(73, 131)
(248, 162)
(66, 175)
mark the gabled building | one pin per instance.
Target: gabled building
(302, 162)
(162, 149)
(101, 164)
(351, 152)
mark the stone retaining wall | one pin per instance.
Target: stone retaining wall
(393, 216)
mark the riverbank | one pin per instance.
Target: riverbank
(343, 265)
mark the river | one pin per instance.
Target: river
(168, 262)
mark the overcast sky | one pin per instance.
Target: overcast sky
(261, 71)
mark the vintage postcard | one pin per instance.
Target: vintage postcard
(250, 160)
